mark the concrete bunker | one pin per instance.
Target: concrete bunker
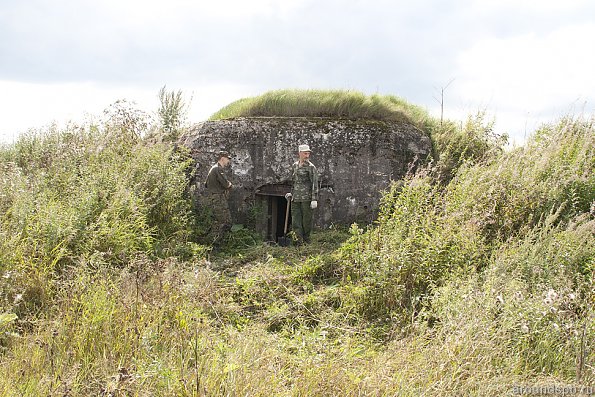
(356, 161)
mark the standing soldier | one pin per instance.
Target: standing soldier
(303, 195)
(218, 187)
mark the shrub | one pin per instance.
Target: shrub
(532, 308)
(474, 143)
(77, 193)
(413, 248)
(428, 233)
(554, 172)
(172, 114)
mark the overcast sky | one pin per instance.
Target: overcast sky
(524, 61)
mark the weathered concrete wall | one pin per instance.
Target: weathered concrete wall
(356, 160)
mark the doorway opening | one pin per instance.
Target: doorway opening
(272, 197)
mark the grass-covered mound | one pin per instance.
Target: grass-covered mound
(324, 103)
(469, 284)
(474, 142)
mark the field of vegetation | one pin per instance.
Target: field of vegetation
(477, 278)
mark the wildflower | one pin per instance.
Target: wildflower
(550, 297)
(525, 328)
(553, 295)
(500, 299)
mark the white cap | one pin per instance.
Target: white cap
(304, 148)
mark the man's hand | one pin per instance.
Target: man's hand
(313, 204)
(288, 196)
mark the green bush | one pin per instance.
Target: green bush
(172, 114)
(554, 172)
(474, 143)
(428, 233)
(413, 248)
(78, 193)
(532, 308)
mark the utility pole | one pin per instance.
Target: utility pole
(441, 100)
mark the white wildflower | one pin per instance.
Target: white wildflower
(500, 299)
(553, 295)
(550, 297)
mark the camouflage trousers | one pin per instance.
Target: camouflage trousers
(218, 206)
(301, 220)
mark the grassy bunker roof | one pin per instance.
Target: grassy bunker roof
(327, 103)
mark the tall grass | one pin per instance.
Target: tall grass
(324, 103)
(501, 258)
(552, 173)
(456, 146)
(78, 193)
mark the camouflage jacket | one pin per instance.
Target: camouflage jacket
(217, 181)
(304, 181)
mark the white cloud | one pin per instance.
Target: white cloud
(32, 105)
(529, 78)
(521, 60)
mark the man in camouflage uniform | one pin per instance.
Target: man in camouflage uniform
(303, 195)
(217, 190)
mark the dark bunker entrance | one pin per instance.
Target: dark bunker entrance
(272, 200)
